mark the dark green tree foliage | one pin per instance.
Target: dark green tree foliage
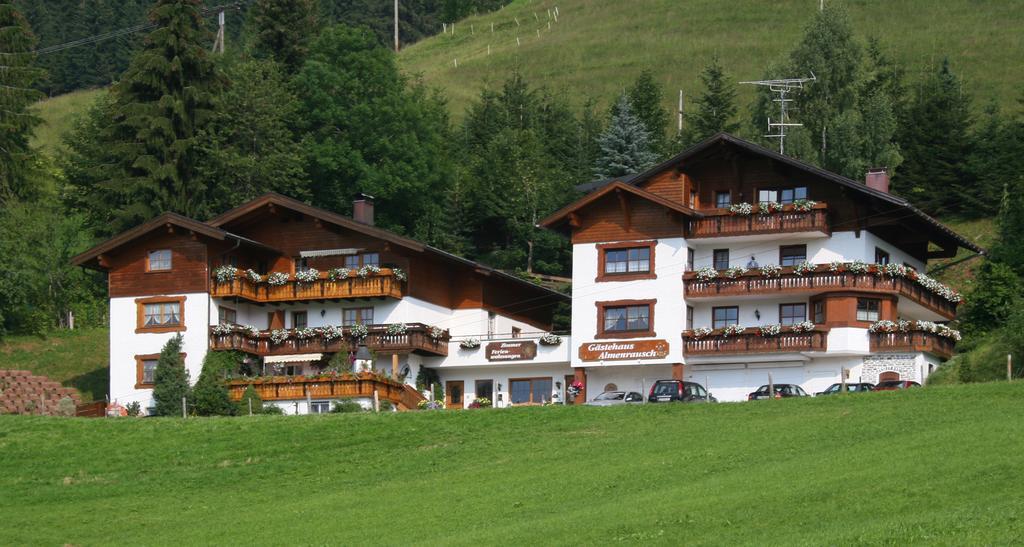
(645, 98)
(283, 29)
(370, 131)
(17, 120)
(625, 144)
(996, 294)
(157, 112)
(210, 394)
(170, 382)
(935, 144)
(714, 110)
(249, 146)
(994, 161)
(250, 396)
(1010, 224)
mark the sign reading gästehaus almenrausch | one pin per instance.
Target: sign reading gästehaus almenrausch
(624, 350)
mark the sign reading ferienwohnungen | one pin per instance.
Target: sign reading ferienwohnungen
(624, 350)
(511, 351)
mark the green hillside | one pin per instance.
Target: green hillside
(935, 465)
(75, 358)
(598, 47)
(58, 114)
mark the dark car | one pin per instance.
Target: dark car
(665, 391)
(858, 387)
(782, 391)
(893, 385)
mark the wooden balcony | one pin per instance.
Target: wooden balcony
(722, 223)
(416, 339)
(821, 279)
(379, 285)
(912, 342)
(285, 388)
(751, 342)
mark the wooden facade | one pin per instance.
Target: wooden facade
(285, 388)
(750, 341)
(416, 339)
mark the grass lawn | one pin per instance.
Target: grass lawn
(936, 465)
(75, 358)
(598, 47)
(58, 114)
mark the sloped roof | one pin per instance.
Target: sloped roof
(558, 217)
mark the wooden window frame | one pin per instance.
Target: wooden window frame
(882, 252)
(804, 304)
(719, 193)
(856, 309)
(162, 270)
(531, 380)
(602, 306)
(294, 312)
(140, 322)
(602, 249)
(691, 259)
(359, 313)
(476, 388)
(140, 371)
(688, 319)
(814, 314)
(782, 250)
(226, 308)
(737, 308)
(714, 261)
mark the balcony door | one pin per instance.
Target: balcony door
(454, 394)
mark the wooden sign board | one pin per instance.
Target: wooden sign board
(511, 351)
(624, 350)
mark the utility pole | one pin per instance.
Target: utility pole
(218, 42)
(396, 26)
(680, 128)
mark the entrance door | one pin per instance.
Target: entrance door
(569, 379)
(454, 394)
(888, 376)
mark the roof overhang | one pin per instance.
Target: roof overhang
(568, 215)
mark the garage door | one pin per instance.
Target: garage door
(724, 385)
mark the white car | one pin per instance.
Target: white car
(613, 398)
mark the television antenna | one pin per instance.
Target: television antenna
(782, 88)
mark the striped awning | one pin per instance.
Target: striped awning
(297, 358)
(327, 252)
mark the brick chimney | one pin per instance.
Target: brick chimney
(878, 179)
(362, 209)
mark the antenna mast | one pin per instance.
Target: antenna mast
(783, 87)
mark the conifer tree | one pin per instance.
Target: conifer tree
(170, 382)
(210, 394)
(283, 30)
(250, 398)
(625, 145)
(17, 120)
(715, 109)
(994, 160)
(645, 99)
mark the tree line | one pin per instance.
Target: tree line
(321, 112)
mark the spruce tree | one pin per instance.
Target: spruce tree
(645, 99)
(283, 30)
(159, 108)
(715, 109)
(935, 143)
(171, 379)
(210, 394)
(994, 160)
(250, 399)
(17, 120)
(625, 145)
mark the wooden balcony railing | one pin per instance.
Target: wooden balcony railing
(720, 222)
(819, 279)
(379, 285)
(416, 339)
(750, 341)
(283, 388)
(913, 341)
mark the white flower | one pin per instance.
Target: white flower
(735, 271)
(707, 273)
(743, 209)
(277, 279)
(279, 335)
(223, 274)
(223, 329)
(330, 332)
(551, 339)
(470, 343)
(768, 207)
(305, 333)
(396, 329)
(803, 326)
(368, 269)
(733, 329)
(251, 331)
(859, 267)
(436, 333)
(804, 267)
(308, 275)
(399, 274)
(253, 276)
(883, 326)
(771, 270)
(769, 330)
(701, 332)
(358, 331)
(836, 266)
(337, 274)
(804, 205)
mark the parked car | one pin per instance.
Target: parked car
(858, 387)
(782, 391)
(665, 391)
(613, 398)
(893, 385)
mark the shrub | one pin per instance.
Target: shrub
(342, 407)
(133, 408)
(210, 396)
(250, 395)
(386, 406)
(171, 379)
(66, 406)
(273, 410)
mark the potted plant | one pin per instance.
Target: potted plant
(337, 274)
(225, 274)
(470, 343)
(551, 339)
(309, 275)
(276, 279)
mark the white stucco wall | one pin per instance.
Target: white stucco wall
(501, 374)
(842, 246)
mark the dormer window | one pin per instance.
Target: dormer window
(158, 260)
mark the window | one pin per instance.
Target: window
(690, 255)
(145, 370)
(357, 316)
(693, 199)
(636, 260)
(720, 259)
(371, 259)
(485, 389)
(299, 320)
(819, 312)
(226, 316)
(282, 369)
(319, 407)
(723, 200)
(301, 264)
(723, 317)
(159, 260)
(867, 309)
(354, 262)
(784, 196)
(881, 257)
(689, 317)
(516, 332)
(791, 255)
(791, 314)
(160, 314)
(530, 390)
(627, 318)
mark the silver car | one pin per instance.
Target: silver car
(613, 398)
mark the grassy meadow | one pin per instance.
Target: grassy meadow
(934, 465)
(58, 115)
(75, 358)
(598, 47)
